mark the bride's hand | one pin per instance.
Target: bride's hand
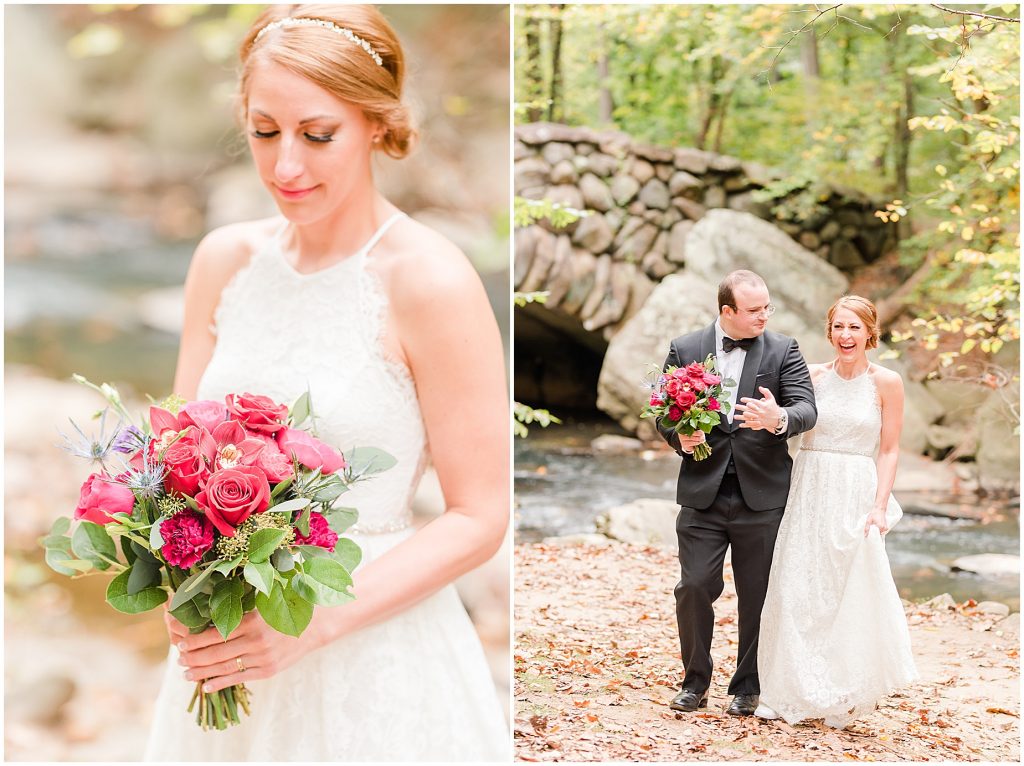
(254, 651)
(876, 519)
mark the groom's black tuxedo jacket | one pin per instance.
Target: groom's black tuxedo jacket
(761, 458)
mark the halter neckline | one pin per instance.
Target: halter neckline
(858, 376)
(363, 250)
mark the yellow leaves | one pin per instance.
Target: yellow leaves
(893, 211)
(947, 227)
(967, 233)
(97, 39)
(940, 169)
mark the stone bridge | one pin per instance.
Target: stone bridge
(645, 202)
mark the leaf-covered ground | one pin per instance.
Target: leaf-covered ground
(597, 661)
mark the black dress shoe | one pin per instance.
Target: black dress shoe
(687, 701)
(743, 704)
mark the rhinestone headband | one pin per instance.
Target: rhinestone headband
(291, 21)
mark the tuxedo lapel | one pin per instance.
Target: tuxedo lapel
(707, 344)
(750, 367)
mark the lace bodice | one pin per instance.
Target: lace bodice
(849, 415)
(280, 332)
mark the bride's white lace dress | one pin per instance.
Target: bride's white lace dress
(416, 687)
(833, 637)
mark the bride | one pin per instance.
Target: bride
(387, 325)
(834, 638)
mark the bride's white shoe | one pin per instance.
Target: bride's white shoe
(765, 712)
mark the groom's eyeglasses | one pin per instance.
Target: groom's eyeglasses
(766, 311)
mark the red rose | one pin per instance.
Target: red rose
(232, 495)
(205, 413)
(309, 451)
(675, 385)
(187, 460)
(698, 384)
(260, 413)
(657, 400)
(713, 405)
(100, 497)
(685, 399)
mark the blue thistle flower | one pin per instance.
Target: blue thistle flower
(95, 449)
(129, 440)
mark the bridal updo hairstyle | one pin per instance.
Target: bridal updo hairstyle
(337, 64)
(865, 311)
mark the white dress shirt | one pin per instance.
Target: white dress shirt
(729, 366)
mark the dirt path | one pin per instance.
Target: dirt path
(597, 661)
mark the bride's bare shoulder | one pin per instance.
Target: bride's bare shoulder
(228, 248)
(886, 379)
(423, 264)
(817, 370)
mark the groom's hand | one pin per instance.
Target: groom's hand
(687, 443)
(759, 414)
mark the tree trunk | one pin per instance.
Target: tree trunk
(534, 89)
(714, 101)
(556, 110)
(812, 77)
(720, 127)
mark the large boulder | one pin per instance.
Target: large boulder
(802, 287)
(679, 303)
(647, 521)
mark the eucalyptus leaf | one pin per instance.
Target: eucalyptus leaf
(91, 542)
(277, 491)
(331, 492)
(347, 553)
(190, 587)
(156, 540)
(189, 615)
(66, 566)
(301, 410)
(119, 598)
(366, 461)
(312, 552)
(60, 526)
(128, 551)
(284, 610)
(264, 542)
(340, 519)
(302, 523)
(225, 567)
(226, 606)
(145, 573)
(282, 560)
(289, 505)
(329, 573)
(260, 575)
(318, 593)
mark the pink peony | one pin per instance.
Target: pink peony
(100, 497)
(309, 451)
(698, 384)
(187, 537)
(713, 405)
(320, 533)
(711, 379)
(205, 413)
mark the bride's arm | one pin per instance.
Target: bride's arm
(453, 347)
(890, 391)
(216, 258)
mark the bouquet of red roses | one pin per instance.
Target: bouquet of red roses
(221, 507)
(688, 399)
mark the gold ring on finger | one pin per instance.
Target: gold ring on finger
(239, 664)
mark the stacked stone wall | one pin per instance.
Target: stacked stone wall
(645, 200)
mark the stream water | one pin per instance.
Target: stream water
(561, 486)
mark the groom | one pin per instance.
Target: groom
(737, 495)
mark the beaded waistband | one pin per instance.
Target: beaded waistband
(395, 525)
(811, 448)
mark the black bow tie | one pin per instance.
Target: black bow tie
(728, 344)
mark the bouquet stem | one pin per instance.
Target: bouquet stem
(219, 710)
(702, 451)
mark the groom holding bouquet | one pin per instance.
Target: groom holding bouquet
(737, 495)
